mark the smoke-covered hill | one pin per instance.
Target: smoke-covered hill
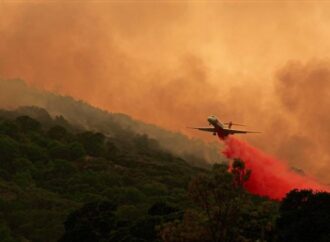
(17, 94)
(49, 168)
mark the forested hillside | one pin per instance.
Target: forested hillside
(16, 93)
(60, 182)
(51, 168)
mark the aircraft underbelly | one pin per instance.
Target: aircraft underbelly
(221, 133)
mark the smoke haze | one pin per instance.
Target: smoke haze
(173, 64)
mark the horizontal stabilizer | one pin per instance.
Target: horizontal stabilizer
(230, 123)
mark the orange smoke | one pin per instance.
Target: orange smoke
(173, 64)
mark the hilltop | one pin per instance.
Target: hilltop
(17, 94)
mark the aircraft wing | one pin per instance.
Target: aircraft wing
(233, 131)
(206, 129)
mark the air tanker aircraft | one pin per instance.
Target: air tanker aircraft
(222, 129)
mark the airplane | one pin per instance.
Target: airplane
(220, 128)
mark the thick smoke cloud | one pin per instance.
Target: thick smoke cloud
(172, 64)
(142, 59)
(304, 94)
(296, 122)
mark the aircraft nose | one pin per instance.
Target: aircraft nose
(210, 119)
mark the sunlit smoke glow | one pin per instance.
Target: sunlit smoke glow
(269, 177)
(172, 63)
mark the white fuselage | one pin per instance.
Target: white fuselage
(213, 120)
(218, 126)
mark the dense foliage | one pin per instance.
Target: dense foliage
(63, 183)
(82, 114)
(305, 216)
(50, 169)
(223, 210)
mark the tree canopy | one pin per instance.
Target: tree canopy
(59, 182)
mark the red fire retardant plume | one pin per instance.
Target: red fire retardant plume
(269, 177)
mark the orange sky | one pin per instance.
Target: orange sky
(174, 63)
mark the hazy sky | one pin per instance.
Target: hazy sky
(264, 63)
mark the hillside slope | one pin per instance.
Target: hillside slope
(50, 168)
(16, 93)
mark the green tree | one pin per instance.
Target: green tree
(125, 195)
(9, 128)
(59, 150)
(112, 150)
(94, 222)
(220, 202)
(5, 233)
(129, 212)
(161, 209)
(241, 175)
(77, 151)
(154, 189)
(94, 143)
(9, 150)
(304, 216)
(23, 179)
(34, 152)
(28, 124)
(58, 133)
(223, 210)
